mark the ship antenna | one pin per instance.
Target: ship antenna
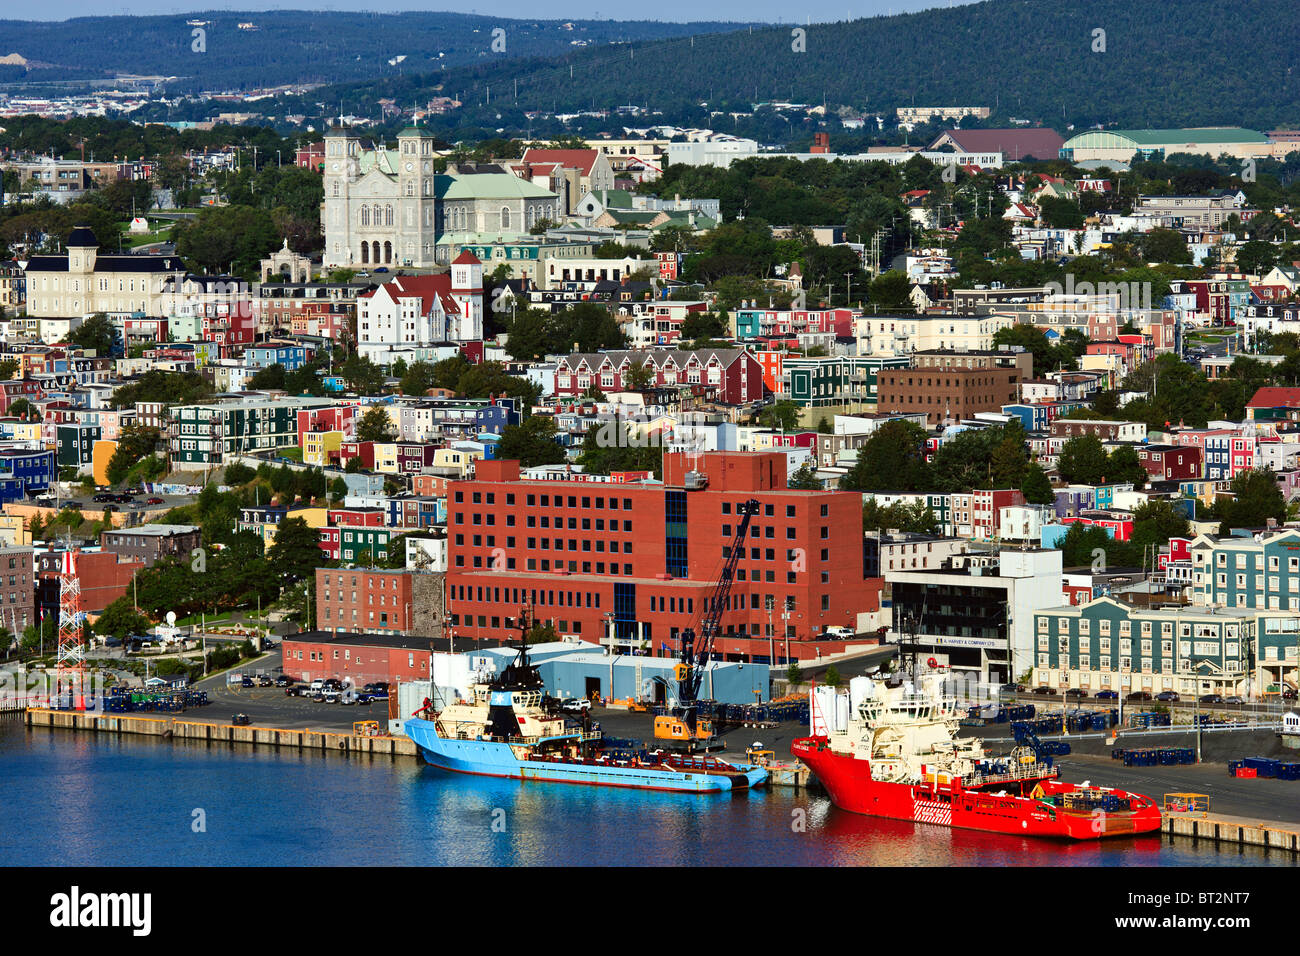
(524, 625)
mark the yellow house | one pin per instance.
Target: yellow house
(27, 431)
(14, 532)
(316, 446)
(313, 517)
(386, 458)
(454, 459)
(100, 455)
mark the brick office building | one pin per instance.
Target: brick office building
(104, 578)
(17, 588)
(594, 557)
(947, 393)
(359, 599)
(362, 658)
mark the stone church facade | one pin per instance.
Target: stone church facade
(386, 207)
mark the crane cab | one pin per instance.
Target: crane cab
(674, 729)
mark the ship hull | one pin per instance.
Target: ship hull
(849, 783)
(497, 759)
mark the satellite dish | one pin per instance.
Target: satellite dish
(171, 618)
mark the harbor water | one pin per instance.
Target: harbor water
(89, 800)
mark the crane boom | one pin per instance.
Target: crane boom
(690, 672)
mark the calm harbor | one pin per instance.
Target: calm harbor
(97, 800)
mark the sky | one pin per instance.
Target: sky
(672, 10)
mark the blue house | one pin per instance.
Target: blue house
(494, 418)
(25, 470)
(290, 356)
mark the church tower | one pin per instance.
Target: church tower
(467, 290)
(342, 170)
(415, 234)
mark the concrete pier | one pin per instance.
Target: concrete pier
(324, 741)
(1240, 830)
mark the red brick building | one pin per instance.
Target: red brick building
(591, 556)
(104, 576)
(358, 599)
(364, 658)
(948, 393)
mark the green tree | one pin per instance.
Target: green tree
(269, 377)
(97, 333)
(531, 443)
(783, 415)
(793, 675)
(417, 379)
(892, 459)
(1255, 499)
(120, 619)
(134, 442)
(1156, 521)
(295, 554)
(1083, 460)
(376, 425)
(1035, 486)
(831, 677)
(1124, 467)
(637, 377)
(805, 478)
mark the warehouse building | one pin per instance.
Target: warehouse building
(1125, 146)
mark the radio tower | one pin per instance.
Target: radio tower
(70, 673)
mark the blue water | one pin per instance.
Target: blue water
(73, 799)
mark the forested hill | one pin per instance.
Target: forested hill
(1160, 63)
(291, 47)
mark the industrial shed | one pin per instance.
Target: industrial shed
(621, 677)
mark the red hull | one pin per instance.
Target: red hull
(848, 781)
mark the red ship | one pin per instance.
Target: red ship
(897, 755)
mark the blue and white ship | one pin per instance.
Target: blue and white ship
(504, 731)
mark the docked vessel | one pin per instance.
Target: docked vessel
(504, 730)
(897, 755)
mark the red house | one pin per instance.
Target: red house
(730, 376)
(1171, 462)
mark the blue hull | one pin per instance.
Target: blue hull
(495, 759)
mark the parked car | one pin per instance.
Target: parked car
(1076, 692)
(1107, 695)
(154, 501)
(246, 682)
(1044, 690)
(1138, 695)
(1011, 689)
(1211, 698)
(265, 681)
(284, 680)
(240, 720)
(318, 684)
(576, 705)
(331, 696)
(333, 683)
(1168, 696)
(1234, 699)
(838, 633)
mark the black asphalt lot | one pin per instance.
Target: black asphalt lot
(1265, 801)
(271, 707)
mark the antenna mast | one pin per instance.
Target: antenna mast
(70, 671)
